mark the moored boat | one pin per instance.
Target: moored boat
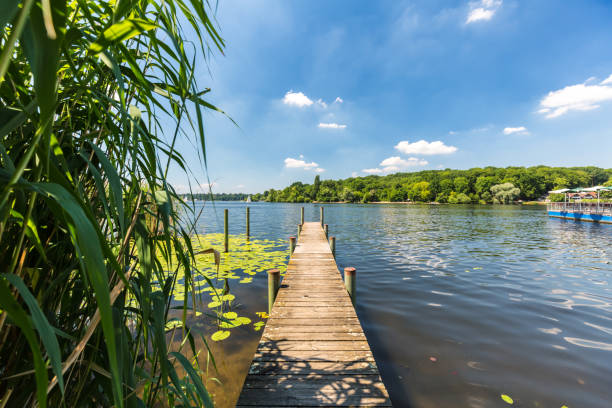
(575, 208)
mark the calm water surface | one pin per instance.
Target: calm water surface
(459, 303)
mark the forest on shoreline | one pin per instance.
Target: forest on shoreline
(476, 185)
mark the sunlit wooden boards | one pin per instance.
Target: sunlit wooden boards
(313, 351)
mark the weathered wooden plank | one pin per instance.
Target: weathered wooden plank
(355, 383)
(315, 368)
(315, 323)
(313, 345)
(313, 351)
(313, 355)
(290, 327)
(328, 396)
(310, 336)
(313, 303)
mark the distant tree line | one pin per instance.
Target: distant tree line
(216, 196)
(477, 185)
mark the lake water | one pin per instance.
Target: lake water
(460, 304)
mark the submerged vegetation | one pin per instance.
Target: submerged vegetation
(477, 185)
(93, 98)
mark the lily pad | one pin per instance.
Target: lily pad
(220, 335)
(507, 399)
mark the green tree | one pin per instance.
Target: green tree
(315, 187)
(461, 184)
(505, 193)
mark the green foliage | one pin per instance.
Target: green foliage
(93, 98)
(505, 193)
(452, 186)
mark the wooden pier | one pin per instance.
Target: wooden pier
(313, 351)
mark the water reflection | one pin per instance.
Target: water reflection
(506, 300)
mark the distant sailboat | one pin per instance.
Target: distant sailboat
(248, 200)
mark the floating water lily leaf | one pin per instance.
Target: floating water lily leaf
(263, 315)
(220, 335)
(230, 315)
(242, 320)
(228, 325)
(507, 399)
(173, 324)
(257, 326)
(228, 297)
(214, 303)
(476, 267)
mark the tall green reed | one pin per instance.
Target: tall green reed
(93, 98)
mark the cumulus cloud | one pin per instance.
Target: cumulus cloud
(396, 163)
(423, 147)
(291, 163)
(340, 100)
(482, 10)
(372, 171)
(331, 126)
(297, 99)
(299, 164)
(580, 97)
(321, 103)
(521, 130)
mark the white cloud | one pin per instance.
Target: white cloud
(331, 126)
(291, 163)
(580, 97)
(372, 171)
(396, 163)
(423, 147)
(340, 100)
(354, 174)
(297, 99)
(321, 103)
(521, 130)
(483, 10)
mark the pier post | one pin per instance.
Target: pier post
(226, 230)
(321, 216)
(248, 222)
(302, 216)
(299, 229)
(273, 285)
(332, 245)
(349, 282)
(292, 242)
(326, 229)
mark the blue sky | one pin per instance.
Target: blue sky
(347, 88)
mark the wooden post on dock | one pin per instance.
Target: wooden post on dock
(332, 245)
(226, 229)
(326, 230)
(292, 241)
(299, 230)
(248, 222)
(302, 216)
(273, 285)
(321, 216)
(349, 282)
